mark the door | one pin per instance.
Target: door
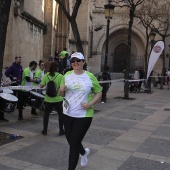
(120, 55)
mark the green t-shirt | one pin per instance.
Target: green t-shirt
(26, 73)
(38, 74)
(80, 89)
(63, 54)
(57, 82)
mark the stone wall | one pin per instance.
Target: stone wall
(24, 35)
(48, 11)
(62, 29)
(28, 38)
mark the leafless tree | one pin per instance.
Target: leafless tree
(146, 16)
(154, 16)
(4, 17)
(72, 19)
(161, 27)
(131, 5)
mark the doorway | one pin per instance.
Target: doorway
(120, 56)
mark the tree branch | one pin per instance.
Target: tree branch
(64, 10)
(76, 7)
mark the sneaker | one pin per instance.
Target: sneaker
(102, 102)
(53, 113)
(84, 159)
(44, 132)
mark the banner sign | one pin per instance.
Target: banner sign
(154, 55)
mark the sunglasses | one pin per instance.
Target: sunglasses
(42, 64)
(73, 61)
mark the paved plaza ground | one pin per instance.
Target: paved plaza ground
(124, 135)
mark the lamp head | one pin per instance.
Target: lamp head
(109, 9)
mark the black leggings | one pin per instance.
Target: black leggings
(104, 92)
(75, 130)
(48, 110)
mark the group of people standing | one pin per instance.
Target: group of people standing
(77, 92)
(139, 74)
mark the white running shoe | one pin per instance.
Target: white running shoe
(84, 159)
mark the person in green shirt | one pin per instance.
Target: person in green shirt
(40, 71)
(27, 80)
(39, 74)
(51, 102)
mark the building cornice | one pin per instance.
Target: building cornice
(28, 17)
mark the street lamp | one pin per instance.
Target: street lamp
(109, 9)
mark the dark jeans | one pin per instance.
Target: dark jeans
(22, 101)
(48, 110)
(75, 130)
(140, 84)
(104, 92)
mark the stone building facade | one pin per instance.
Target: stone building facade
(90, 16)
(35, 31)
(118, 41)
(39, 27)
(25, 32)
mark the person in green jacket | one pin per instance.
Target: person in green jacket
(51, 102)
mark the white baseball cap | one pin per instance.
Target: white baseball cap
(77, 55)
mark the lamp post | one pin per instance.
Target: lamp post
(109, 9)
(152, 35)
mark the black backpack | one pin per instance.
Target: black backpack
(51, 90)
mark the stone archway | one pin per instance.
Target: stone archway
(118, 50)
(117, 35)
(120, 56)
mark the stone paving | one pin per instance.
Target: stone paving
(124, 135)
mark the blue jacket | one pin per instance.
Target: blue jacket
(15, 70)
